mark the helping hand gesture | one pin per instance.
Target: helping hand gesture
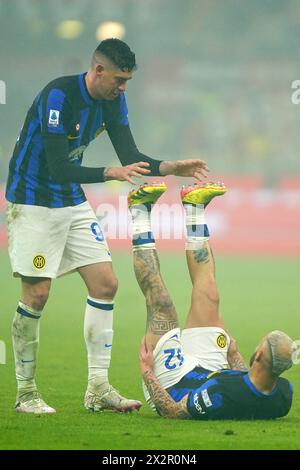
(194, 168)
(125, 173)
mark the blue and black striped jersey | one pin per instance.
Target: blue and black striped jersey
(229, 394)
(45, 168)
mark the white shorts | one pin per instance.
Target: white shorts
(170, 362)
(46, 242)
(174, 357)
(207, 346)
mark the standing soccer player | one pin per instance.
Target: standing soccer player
(52, 228)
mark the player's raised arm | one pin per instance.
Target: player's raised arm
(123, 142)
(128, 153)
(62, 171)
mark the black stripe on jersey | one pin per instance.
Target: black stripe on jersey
(17, 150)
(41, 198)
(63, 192)
(89, 122)
(67, 188)
(21, 187)
(23, 169)
(97, 123)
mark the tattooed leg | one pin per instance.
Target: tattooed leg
(161, 313)
(204, 310)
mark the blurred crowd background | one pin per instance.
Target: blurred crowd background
(214, 80)
(214, 76)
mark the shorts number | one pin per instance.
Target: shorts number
(173, 353)
(95, 227)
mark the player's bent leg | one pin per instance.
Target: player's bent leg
(25, 334)
(204, 310)
(98, 333)
(162, 332)
(204, 337)
(161, 313)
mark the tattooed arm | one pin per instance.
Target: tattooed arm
(234, 357)
(165, 405)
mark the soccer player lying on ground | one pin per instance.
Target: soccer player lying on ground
(189, 376)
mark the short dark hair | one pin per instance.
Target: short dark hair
(118, 52)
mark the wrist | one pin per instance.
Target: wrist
(107, 174)
(146, 372)
(167, 168)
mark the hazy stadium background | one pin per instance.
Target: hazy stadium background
(214, 80)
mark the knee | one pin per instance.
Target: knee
(106, 289)
(37, 298)
(110, 288)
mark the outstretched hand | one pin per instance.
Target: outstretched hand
(189, 168)
(125, 173)
(195, 168)
(146, 357)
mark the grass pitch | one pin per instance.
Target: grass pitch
(257, 296)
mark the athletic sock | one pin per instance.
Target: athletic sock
(98, 334)
(196, 227)
(142, 236)
(25, 335)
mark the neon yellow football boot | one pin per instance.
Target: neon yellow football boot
(202, 193)
(147, 193)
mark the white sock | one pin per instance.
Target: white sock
(142, 236)
(98, 335)
(25, 335)
(196, 227)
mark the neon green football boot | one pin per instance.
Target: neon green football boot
(202, 193)
(147, 193)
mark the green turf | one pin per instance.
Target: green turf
(257, 296)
